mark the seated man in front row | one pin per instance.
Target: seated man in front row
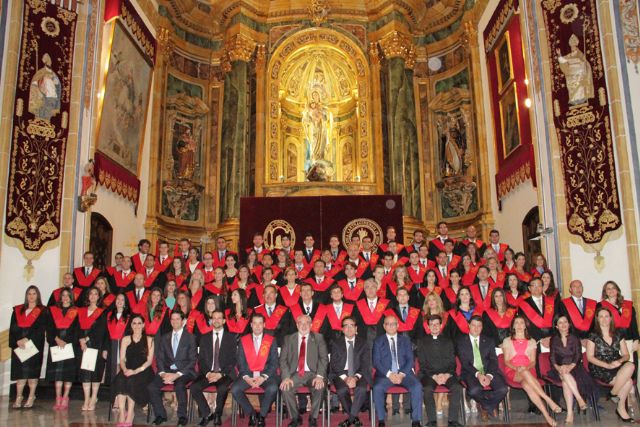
(350, 368)
(438, 368)
(257, 365)
(477, 355)
(303, 363)
(392, 358)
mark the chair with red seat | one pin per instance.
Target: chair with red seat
(511, 384)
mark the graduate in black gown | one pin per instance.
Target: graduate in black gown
(62, 330)
(117, 317)
(27, 323)
(92, 324)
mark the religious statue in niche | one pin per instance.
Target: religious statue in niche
(44, 92)
(317, 122)
(452, 134)
(184, 151)
(577, 73)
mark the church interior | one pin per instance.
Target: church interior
(200, 120)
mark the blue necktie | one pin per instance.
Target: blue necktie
(394, 356)
(404, 314)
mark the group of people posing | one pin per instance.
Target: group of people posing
(273, 320)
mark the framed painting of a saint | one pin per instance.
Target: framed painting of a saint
(510, 120)
(504, 70)
(125, 100)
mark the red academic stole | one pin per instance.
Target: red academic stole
(164, 265)
(499, 281)
(193, 317)
(461, 321)
(541, 322)
(362, 267)
(26, 320)
(443, 281)
(366, 314)
(63, 321)
(401, 261)
(304, 272)
(258, 290)
(152, 325)
(209, 276)
(513, 301)
(137, 263)
(256, 362)
(385, 247)
(148, 280)
(445, 316)
(329, 312)
(259, 254)
(342, 256)
(504, 321)
(335, 269)
(235, 325)
(107, 300)
(179, 279)
(289, 298)
(621, 320)
(478, 243)
(86, 281)
(426, 291)
(523, 277)
(373, 258)
(86, 321)
(112, 270)
(203, 325)
(470, 276)
(191, 269)
(315, 255)
(477, 296)
(214, 289)
(579, 322)
(416, 276)
(76, 293)
(116, 327)
(137, 307)
(123, 282)
(316, 321)
(352, 294)
(393, 287)
(196, 298)
(322, 286)
(503, 247)
(451, 295)
(438, 243)
(412, 316)
(271, 322)
(508, 269)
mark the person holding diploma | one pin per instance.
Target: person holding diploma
(62, 337)
(92, 339)
(136, 357)
(27, 332)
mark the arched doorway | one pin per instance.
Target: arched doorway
(100, 240)
(530, 231)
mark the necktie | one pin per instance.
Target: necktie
(216, 354)
(580, 306)
(318, 280)
(334, 255)
(350, 360)
(221, 255)
(424, 263)
(162, 260)
(301, 356)
(352, 284)
(371, 306)
(404, 314)
(86, 271)
(444, 271)
(338, 310)
(308, 309)
(256, 344)
(366, 256)
(139, 295)
(269, 311)
(394, 356)
(174, 345)
(477, 360)
(123, 275)
(484, 291)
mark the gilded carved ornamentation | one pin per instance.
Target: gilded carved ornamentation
(319, 11)
(399, 45)
(237, 48)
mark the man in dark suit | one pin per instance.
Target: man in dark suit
(579, 310)
(393, 361)
(176, 354)
(485, 383)
(217, 360)
(350, 368)
(438, 367)
(257, 365)
(303, 362)
(539, 310)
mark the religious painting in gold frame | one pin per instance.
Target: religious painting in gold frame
(504, 69)
(125, 99)
(510, 120)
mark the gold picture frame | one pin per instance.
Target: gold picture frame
(504, 67)
(510, 120)
(125, 100)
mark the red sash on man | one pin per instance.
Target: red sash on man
(235, 325)
(485, 303)
(503, 247)
(316, 321)
(164, 265)
(256, 362)
(112, 270)
(85, 281)
(368, 317)
(212, 288)
(203, 325)
(209, 276)
(542, 322)
(194, 316)
(323, 286)
(455, 261)
(76, 291)
(515, 302)
(621, 320)
(412, 316)
(26, 320)
(329, 312)
(479, 243)
(385, 247)
(152, 326)
(289, 298)
(149, 279)
(124, 281)
(373, 258)
(417, 276)
(499, 281)
(577, 320)
(400, 262)
(137, 307)
(138, 263)
(443, 281)
(117, 327)
(352, 294)
(331, 272)
(84, 320)
(63, 321)
(426, 291)
(260, 254)
(362, 267)
(258, 290)
(504, 321)
(437, 243)
(107, 300)
(271, 322)
(445, 316)
(342, 256)
(315, 255)
(196, 298)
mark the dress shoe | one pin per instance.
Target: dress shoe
(484, 416)
(261, 421)
(159, 420)
(416, 424)
(183, 421)
(295, 423)
(356, 422)
(253, 420)
(381, 424)
(624, 420)
(345, 423)
(454, 424)
(395, 411)
(432, 424)
(206, 420)
(313, 422)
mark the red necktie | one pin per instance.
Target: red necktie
(302, 356)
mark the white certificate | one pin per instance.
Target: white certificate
(27, 352)
(89, 358)
(59, 354)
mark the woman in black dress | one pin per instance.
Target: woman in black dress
(498, 317)
(136, 357)
(27, 324)
(92, 335)
(566, 362)
(117, 322)
(62, 330)
(609, 361)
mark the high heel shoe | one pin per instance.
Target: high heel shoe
(30, 402)
(612, 397)
(92, 404)
(584, 407)
(624, 420)
(18, 403)
(64, 403)
(56, 407)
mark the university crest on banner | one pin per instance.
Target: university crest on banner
(275, 231)
(40, 124)
(361, 228)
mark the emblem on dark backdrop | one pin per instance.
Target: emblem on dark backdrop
(274, 232)
(361, 228)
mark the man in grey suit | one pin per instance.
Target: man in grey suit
(303, 363)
